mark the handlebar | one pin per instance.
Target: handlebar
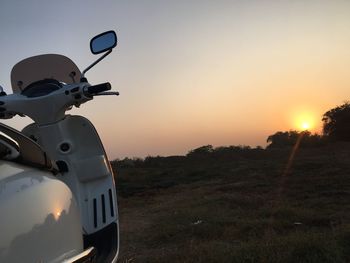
(95, 89)
(51, 106)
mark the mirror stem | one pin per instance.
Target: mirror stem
(2, 92)
(93, 64)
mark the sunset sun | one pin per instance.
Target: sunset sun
(305, 125)
(305, 122)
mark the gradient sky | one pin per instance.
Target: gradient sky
(192, 72)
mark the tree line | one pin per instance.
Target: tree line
(336, 127)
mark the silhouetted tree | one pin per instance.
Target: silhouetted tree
(336, 123)
(289, 138)
(282, 139)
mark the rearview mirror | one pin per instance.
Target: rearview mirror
(103, 42)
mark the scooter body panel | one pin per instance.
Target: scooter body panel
(38, 212)
(74, 145)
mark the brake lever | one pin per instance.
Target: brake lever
(107, 93)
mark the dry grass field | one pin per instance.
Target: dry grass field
(237, 207)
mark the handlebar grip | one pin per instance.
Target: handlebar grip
(99, 88)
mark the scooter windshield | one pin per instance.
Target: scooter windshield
(48, 66)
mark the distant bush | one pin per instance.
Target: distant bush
(224, 152)
(202, 151)
(127, 162)
(149, 161)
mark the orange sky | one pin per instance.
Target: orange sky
(192, 73)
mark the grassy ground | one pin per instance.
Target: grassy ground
(239, 209)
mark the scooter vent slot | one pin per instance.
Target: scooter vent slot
(111, 202)
(95, 213)
(103, 209)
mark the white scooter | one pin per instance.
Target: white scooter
(57, 193)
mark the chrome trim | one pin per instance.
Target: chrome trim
(87, 256)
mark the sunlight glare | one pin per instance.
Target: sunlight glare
(57, 213)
